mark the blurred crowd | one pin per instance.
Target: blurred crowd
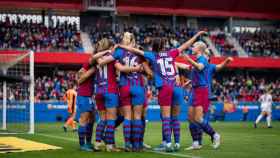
(54, 87)
(225, 87)
(260, 43)
(222, 45)
(144, 34)
(65, 37)
(245, 87)
(18, 34)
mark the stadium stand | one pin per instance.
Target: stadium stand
(260, 42)
(64, 37)
(245, 87)
(224, 47)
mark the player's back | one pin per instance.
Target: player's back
(130, 59)
(86, 88)
(163, 65)
(105, 78)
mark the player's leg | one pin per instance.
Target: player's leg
(194, 130)
(205, 126)
(90, 119)
(144, 113)
(175, 126)
(120, 118)
(259, 118)
(68, 121)
(82, 131)
(100, 130)
(111, 103)
(137, 100)
(177, 101)
(125, 103)
(137, 127)
(165, 101)
(100, 127)
(206, 117)
(201, 103)
(73, 122)
(268, 119)
(84, 109)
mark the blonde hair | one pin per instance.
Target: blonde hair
(103, 44)
(207, 52)
(128, 39)
(201, 46)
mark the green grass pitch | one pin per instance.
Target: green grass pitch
(239, 140)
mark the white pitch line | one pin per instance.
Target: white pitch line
(174, 154)
(156, 152)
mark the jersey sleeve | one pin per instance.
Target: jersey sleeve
(149, 56)
(117, 55)
(202, 60)
(213, 68)
(174, 53)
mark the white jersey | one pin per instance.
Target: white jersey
(266, 102)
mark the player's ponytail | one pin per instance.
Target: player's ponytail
(158, 44)
(103, 44)
(128, 39)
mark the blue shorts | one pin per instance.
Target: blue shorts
(137, 95)
(84, 104)
(132, 95)
(106, 100)
(178, 96)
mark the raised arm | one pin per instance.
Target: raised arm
(83, 75)
(127, 69)
(188, 43)
(105, 60)
(132, 50)
(182, 66)
(98, 55)
(198, 66)
(224, 63)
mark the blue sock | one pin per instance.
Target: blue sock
(127, 132)
(137, 128)
(206, 127)
(167, 129)
(89, 132)
(82, 134)
(110, 132)
(206, 119)
(194, 130)
(162, 133)
(175, 124)
(200, 136)
(143, 132)
(99, 131)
